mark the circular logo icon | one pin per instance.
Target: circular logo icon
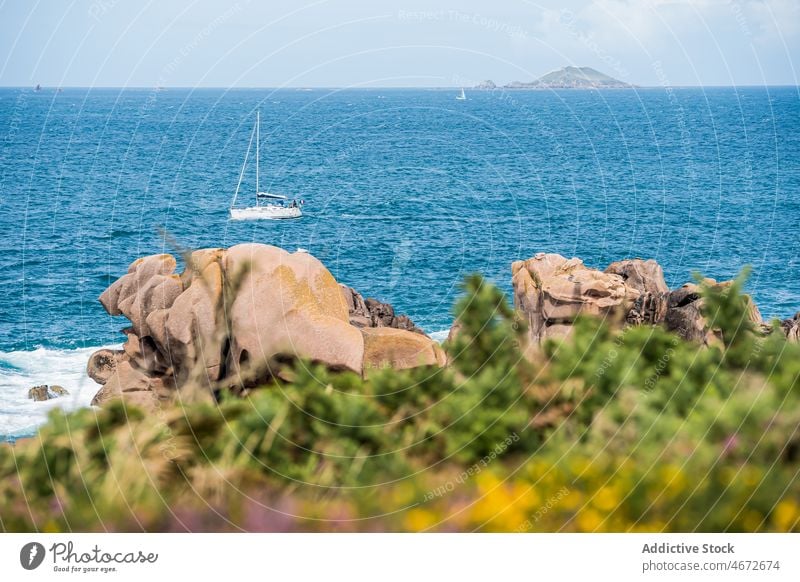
(31, 555)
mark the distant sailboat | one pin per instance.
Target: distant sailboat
(463, 96)
(268, 206)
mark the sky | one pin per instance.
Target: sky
(362, 43)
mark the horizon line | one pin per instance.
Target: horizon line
(384, 87)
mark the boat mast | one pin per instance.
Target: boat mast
(244, 165)
(258, 139)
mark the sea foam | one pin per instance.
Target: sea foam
(21, 370)
(440, 336)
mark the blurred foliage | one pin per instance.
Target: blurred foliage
(610, 430)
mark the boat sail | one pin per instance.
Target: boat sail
(268, 206)
(463, 96)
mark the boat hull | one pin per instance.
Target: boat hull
(266, 212)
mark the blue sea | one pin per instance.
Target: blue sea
(406, 191)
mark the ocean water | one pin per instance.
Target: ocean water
(406, 192)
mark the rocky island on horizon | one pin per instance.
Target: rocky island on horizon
(566, 78)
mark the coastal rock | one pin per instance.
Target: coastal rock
(288, 305)
(685, 316)
(45, 392)
(133, 386)
(198, 262)
(452, 334)
(647, 277)
(237, 313)
(192, 331)
(102, 363)
(551, 291)
(234, 317)
(39, 393)
(455, 329)
(754, 315)
(148, 285)
(144, 353)
(791, 327)
(486, 85)
(385, 347)
(373, 313)
(357, 310)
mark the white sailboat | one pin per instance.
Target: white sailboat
(268, 206)
(463, 96)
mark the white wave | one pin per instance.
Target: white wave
(20, 371)
(439, 336)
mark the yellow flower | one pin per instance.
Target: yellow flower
(571, 500)
(606, 499)
(589, 520)
(420, 519)
(674, 480)
(487, 482)
(490, 506)
(507, 521)
(785, 515)
(525, 496)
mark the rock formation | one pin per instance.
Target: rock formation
(234, 316)
(122, 376)
(45, 392)
(287, 305)
(551, 291)
(373, 313)
(102, 364)
(647, 278)
(685, 316)
(455, 329)
(791, 327)
(385, 347)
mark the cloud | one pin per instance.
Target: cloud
(773, 18)
(649, 23)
